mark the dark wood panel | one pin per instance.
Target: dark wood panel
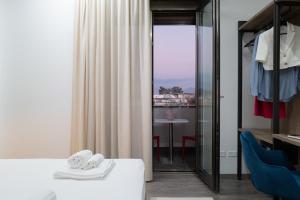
(159, 5)
(288, 2)
(292, 123)
(174, 18)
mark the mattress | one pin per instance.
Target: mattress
(23, 178)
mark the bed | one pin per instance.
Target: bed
(22, 178)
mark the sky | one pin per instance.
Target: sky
(174, 52)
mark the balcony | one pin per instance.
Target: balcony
(180, 163)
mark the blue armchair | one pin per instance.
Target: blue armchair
(272, 157)
(270, 170)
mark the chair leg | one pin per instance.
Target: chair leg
(158, 150)
(183, 149)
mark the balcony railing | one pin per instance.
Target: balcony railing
(180, 112)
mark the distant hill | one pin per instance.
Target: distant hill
(189, 90)
(188, 85)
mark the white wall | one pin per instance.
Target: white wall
(35, 77)
(233, 11)
(1, 32)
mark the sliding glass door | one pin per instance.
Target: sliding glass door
(208, 71)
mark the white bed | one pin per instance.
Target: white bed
(20, 179)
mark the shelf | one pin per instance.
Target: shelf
(267, 136)
(260, 20)
(265, 17)
(286, 139)
(264, 135)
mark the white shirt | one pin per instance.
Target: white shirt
(289, 48)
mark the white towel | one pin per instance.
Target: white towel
(79, 159)
(96, 173)
(45, 195)
(94, 161)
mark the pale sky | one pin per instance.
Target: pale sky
(174, 52)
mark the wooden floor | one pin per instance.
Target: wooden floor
(188, 185)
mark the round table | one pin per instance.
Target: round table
(171, 124)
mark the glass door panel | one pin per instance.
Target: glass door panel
(208, 95)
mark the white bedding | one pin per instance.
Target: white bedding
(20, 179)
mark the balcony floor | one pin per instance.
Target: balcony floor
(164, 165)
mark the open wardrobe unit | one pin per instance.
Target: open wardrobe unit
(272, 40)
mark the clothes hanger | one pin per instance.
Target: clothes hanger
(283, 22)
(251, 42)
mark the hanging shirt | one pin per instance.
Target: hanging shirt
(289, 47)
(299, 83)
(262, 84)
(265, 109)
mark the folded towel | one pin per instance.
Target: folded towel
(44, 195)
(96, 173)
(79, 159)
(94, 161)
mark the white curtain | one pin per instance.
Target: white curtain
(112, 100)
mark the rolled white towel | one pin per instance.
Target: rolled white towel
(94, 161)
(79, 159)
(97, 173)
(44, 195)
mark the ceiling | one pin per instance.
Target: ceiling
(168, 5)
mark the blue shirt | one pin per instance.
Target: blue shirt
(261, 80)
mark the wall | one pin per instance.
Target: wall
(1, 49)
(231, 12)
(36, 77)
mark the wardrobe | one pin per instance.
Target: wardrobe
(276, 135)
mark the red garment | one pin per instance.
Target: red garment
(265, 109)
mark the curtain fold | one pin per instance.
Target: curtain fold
(112, 89)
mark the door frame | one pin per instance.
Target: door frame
(213, 181)
(172, 17)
